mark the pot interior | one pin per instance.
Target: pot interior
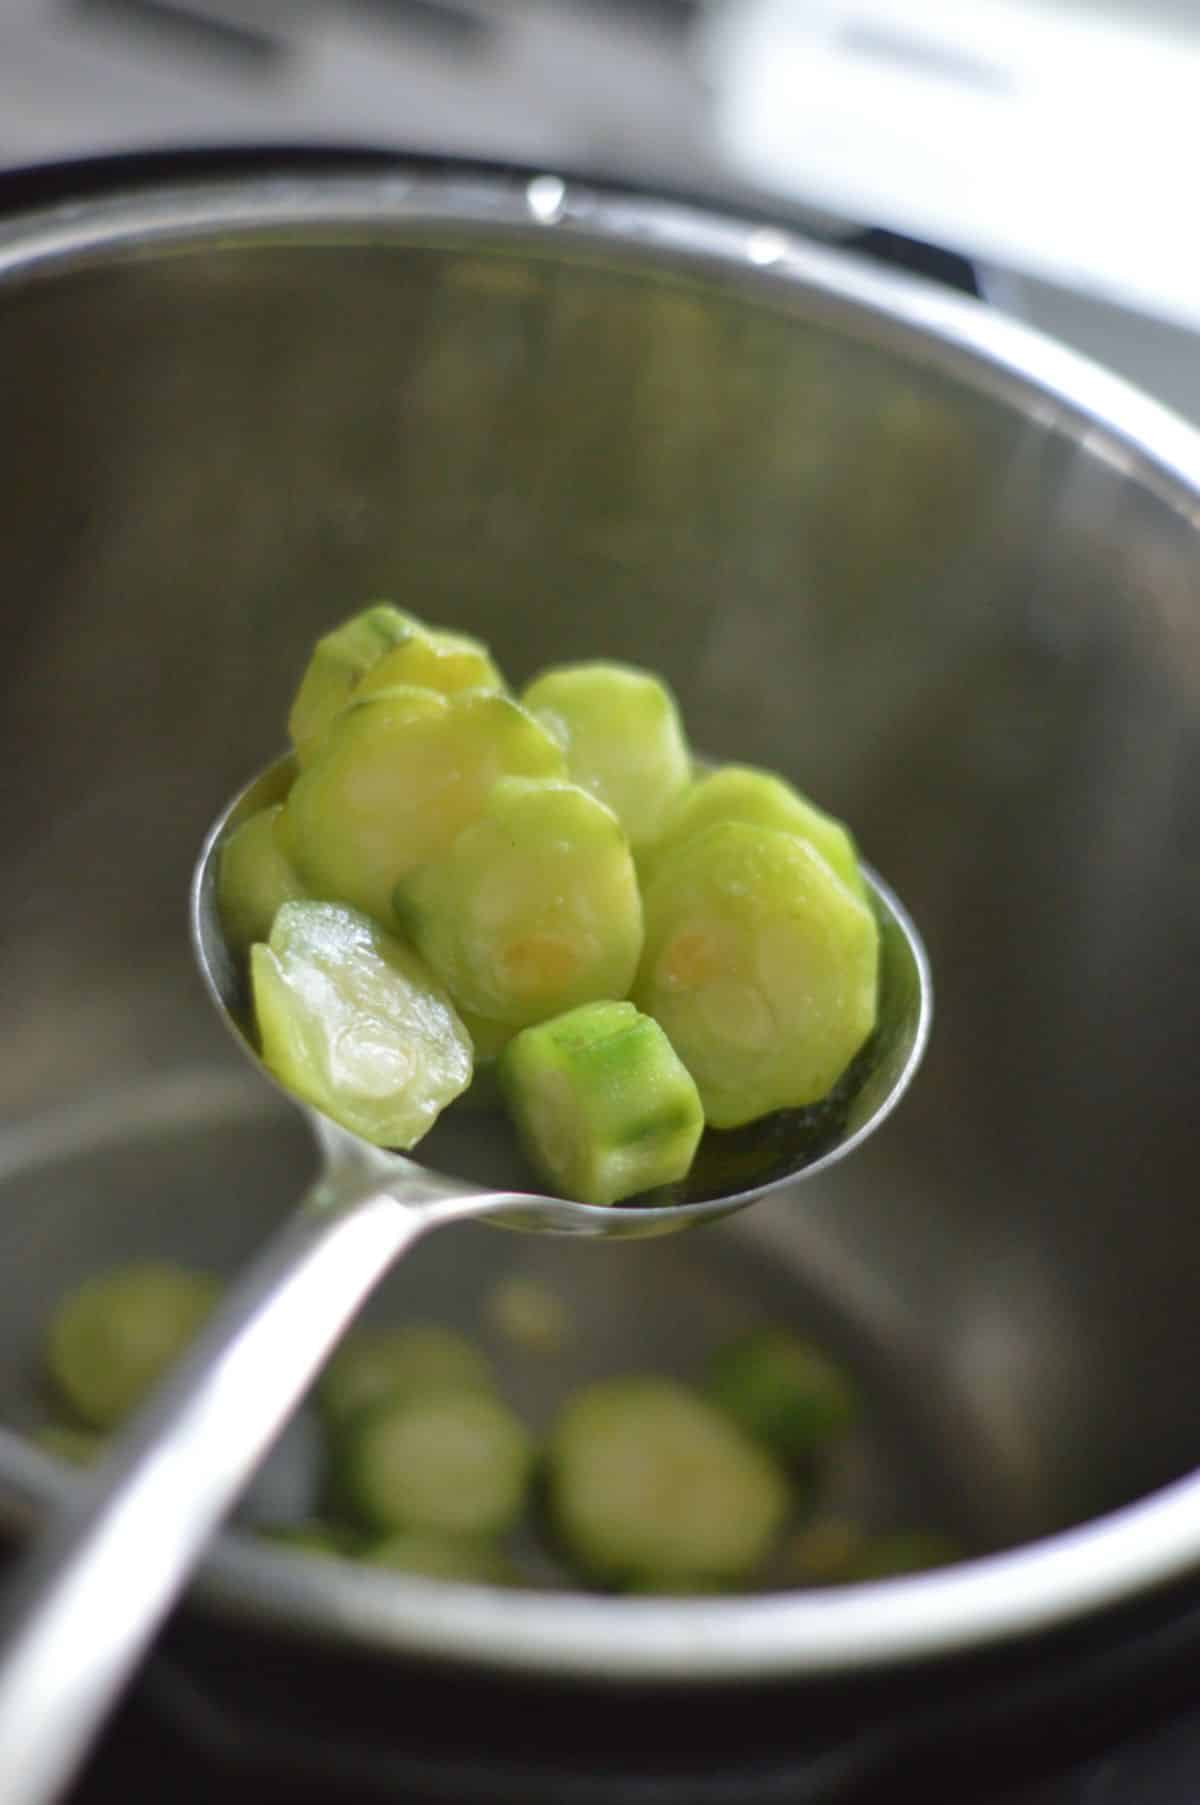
(951, 604)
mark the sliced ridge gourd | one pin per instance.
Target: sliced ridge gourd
(534, 910)
(339, 661)
(350, 1020)
(762, 966)
(398, 776)
(650, 1487)
(415, 1360)
(255, 878)
(603, 1106)
(433, 658)
(455, 1463)
(450, 1558)
(783, 1391)
(745, 793)
(623, 736)
(112, 1338)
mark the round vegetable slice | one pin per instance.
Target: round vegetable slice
(534, 909)
(458, 1463)
(784, 1391)
(416, 1360)
(443, 1557)
(254, 878)
(397, 778)
(433, 658)
(603, 1105)
(624, 739)
(744, 793)
(114, 1337)
(339, 662)
(649, 1485)
(349, 1019)
(762, 966)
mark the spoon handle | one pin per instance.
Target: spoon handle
(88, 1598)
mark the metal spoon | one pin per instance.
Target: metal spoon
(103, 1575)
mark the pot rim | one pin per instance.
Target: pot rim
(989, 1600)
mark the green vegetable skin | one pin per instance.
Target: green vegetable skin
(651, 1487)
(340, 660)
(623, 736)
(535, 908)
(397, 777)
(761, 965)
(602, 1103)
(453, 1463)
(349, 1019)
(114, 1337)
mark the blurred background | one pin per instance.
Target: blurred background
(1050, 142)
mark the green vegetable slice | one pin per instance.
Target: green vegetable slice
(785, 1392)
(761, 965)
(649, 1485)
(534, 909)
(397, 778)
(602, 1104)
(115, 1336)
(254, 878)
(417, 1360)
(339, 662)
(744, 793)
(350, 1020)
(624, 739)
(457, 1463)
(433, 658)
(448, 1558)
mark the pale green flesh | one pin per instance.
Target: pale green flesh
(743, 793)
(624, 739)
(534, 910)
(602, 1104)
(254, 879)
(398, 777)
(456, 1463)
(115, 1336)
(761, 965)
(433, 659)
(648, 1485)
(350, 1020)
(449, 1558)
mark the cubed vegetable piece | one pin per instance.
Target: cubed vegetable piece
(339, 662)
(457, 1463)
(397, 778)
(254, 879)
(603, 1106)
(433, 658)
(783, 1391)
(624, 739)
(417, 1360)
(761, 965)
(351, 1021)
(743, 793)
(451, 1558)
(649, 1484)
(115, 1336)
(534, 909)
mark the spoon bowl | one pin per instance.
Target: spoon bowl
(94, 1588)
(731, 1169)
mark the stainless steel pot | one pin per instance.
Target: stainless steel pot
(941, 572)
